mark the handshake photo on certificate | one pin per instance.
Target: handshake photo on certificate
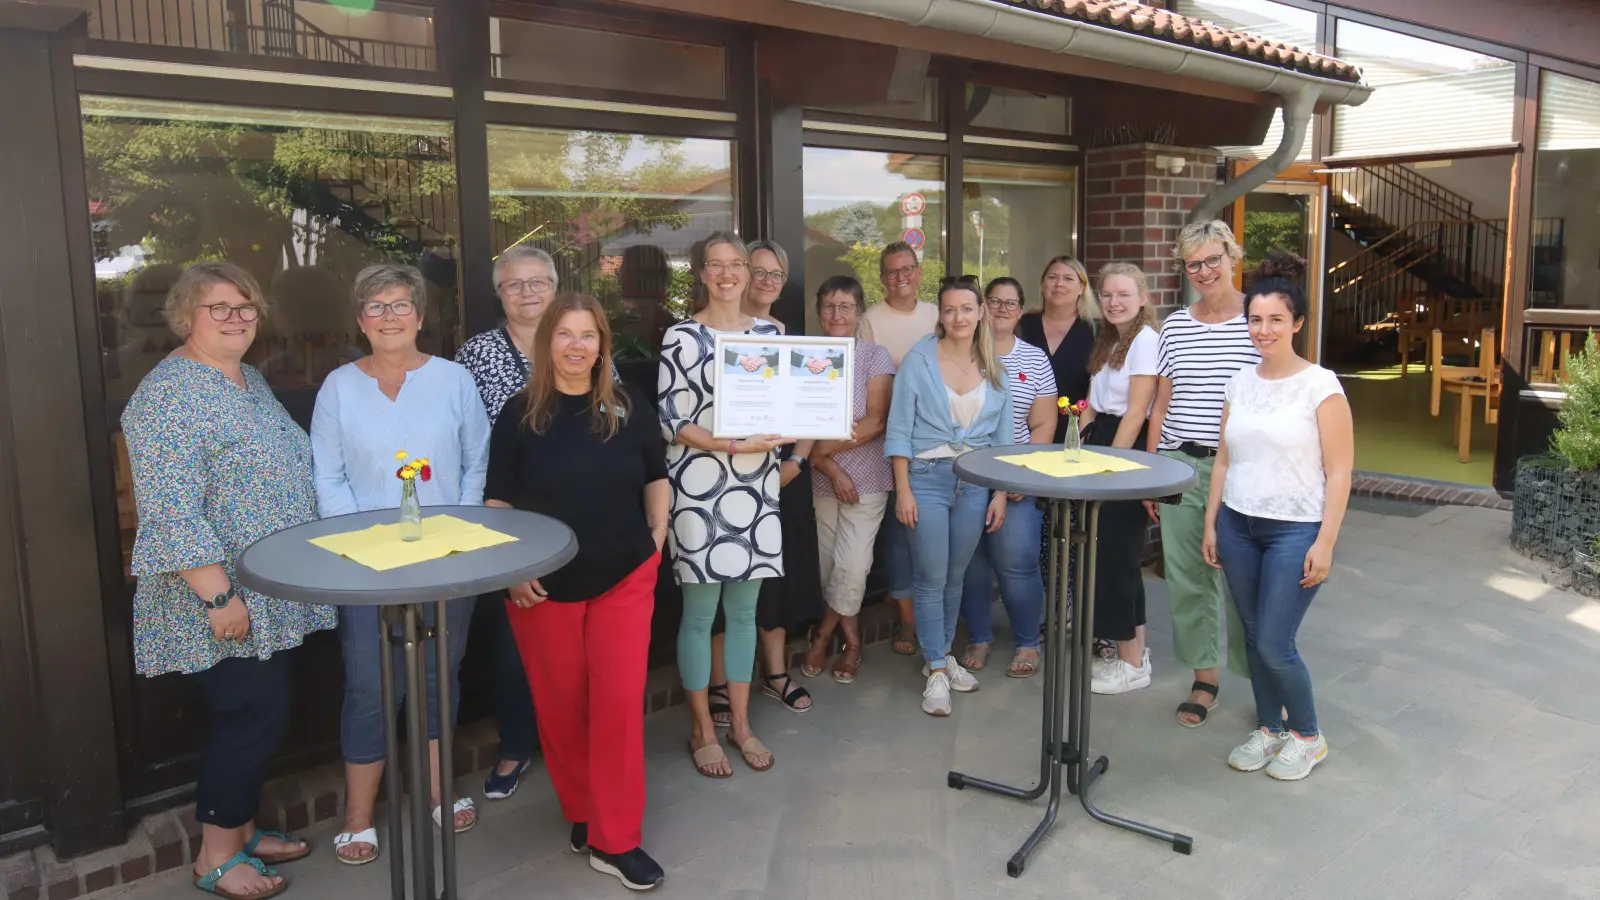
(818, 363)
(799, 386)
(761, 361)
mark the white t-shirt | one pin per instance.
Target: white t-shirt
(1029, 373)
(898, 331)
(1108, 390)
(1274, 445)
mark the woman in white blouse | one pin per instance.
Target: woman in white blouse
(1124, 366)
(1278, 495)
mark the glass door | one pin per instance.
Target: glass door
(1288, 216)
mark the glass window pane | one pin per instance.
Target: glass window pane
(1014, 110)
(358, 32)
(1428, 96)
(856, 202)
(923, 109)
(580, 57)
(619, 213)
(1015, 218)
(1566, 226)
(1273, 21)
(300, 205)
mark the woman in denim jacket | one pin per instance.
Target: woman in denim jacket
(950, 396)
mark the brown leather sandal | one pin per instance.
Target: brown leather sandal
(707, 756)
(750, 750)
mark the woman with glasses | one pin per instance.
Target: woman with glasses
(1012, 551)
(500, 360)
(851, 486)
(725, 535)
(951, 395)
(1201, 349)
(218, 464)
(1063, 327)
(397, 399)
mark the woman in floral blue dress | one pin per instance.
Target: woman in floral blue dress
(217, 463)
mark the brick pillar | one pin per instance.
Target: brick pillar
(1136, 210)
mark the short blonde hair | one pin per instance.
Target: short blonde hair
(191, 288)
(374, 280)
(1198, 234)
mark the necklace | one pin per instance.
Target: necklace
(969, 364)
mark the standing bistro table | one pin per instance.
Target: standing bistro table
(1162, 479)
(287, 566)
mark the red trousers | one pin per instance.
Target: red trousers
(586, 666)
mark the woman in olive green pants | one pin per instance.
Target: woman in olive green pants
(1202, 347)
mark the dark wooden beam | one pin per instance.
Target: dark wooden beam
(818, 70)
(464, 52)
(1514, 415)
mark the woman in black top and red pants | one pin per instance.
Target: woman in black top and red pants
(577, 446)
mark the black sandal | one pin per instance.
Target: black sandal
(790, 697)
(1198, 710)
(717, 695)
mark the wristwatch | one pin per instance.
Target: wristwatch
(219, 601)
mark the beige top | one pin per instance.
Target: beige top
(964, 409)
(898, 331)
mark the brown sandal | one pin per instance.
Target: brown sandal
(905, 643)
(709, 755)
(750, 750)
(1023, 666)
(976, 657)
(811, 664)
(845, 672)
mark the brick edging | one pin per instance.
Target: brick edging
(1421, 490)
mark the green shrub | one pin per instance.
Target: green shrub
(1578, 439)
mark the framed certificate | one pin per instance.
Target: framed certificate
(797, 387)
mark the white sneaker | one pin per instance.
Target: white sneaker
(1298, 757)
(1117, 677)
(1144, 663)
(1254, 754)
(936, 696)
(961, 681)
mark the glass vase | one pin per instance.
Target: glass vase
(410, 511)
(1072, 444)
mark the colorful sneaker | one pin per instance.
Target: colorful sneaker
(636, 869)
(1298, 757)
(1254, 754)
(961, 681)
(936, 696)
(1118, 677)
(499, 787)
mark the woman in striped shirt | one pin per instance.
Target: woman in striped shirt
(1202, 347)
(1013, 550)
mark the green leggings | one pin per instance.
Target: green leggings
(694, 631)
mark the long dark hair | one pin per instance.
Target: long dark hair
(607, 403)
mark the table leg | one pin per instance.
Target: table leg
(418, 757)
(447, 786)
(388, 617)
(1464, 428)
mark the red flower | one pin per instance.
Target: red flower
(1022, 376)
(426, 473)
(400, 472)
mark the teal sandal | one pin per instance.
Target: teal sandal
(277, 859)
(208, 881)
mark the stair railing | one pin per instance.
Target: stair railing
(1397, 196)
(1457, 258)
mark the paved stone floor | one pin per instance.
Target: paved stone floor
(1457, 690)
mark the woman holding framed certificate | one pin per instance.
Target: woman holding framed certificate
(950, 396)
(726, 534)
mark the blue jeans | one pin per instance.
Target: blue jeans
(1264, 560)
(896, 553)
(949, 524)
(362, 719)
(1013, 554)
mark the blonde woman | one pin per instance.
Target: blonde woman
(950, 396)
(1063, 328)
(1123, 371)
(1201, 349)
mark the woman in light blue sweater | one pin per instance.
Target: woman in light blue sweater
(399, 398)
(950, 396)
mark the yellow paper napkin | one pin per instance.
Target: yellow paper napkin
(382, 548)
(1054, 463)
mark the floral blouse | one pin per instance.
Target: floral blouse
(215, 467)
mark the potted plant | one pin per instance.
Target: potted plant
(1556, 503)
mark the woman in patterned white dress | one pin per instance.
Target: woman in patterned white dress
(726, 535)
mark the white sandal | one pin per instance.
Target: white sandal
(462, 805)
(345, 839)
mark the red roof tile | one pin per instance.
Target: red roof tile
(1161, 25)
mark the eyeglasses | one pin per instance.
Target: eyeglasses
(718, 267)
(771, 276)
(1211, 262)
(901, 273)
(838, 310)
(222, 312)
(375, 310)
(526, 286)
(1004, 303)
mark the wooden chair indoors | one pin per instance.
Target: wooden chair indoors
(1550, 366)
(1482, 380)
(1416, 317)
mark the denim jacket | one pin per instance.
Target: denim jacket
(919, 415)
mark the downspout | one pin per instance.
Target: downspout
(1298, 106)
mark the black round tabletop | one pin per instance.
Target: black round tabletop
(1162, 476)
(288, 566)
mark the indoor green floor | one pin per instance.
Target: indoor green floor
(1396, 436)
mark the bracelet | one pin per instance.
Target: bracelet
(731, 450)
